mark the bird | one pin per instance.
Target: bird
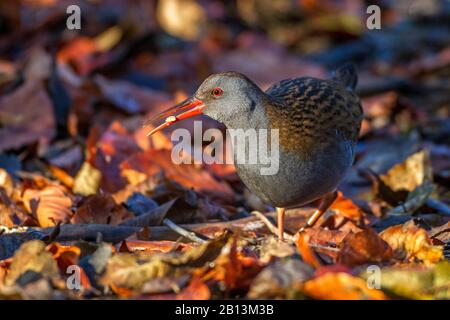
(318, 122)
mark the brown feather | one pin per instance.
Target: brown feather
(309, 111)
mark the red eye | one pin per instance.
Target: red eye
(217, 92)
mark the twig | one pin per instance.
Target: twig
(439, 206)
(319, 246)
(185, 233)
(270, 225)
(53, 235)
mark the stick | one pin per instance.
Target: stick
(439, 206)
(185, 233)
(270, 225)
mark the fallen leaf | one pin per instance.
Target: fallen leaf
(65, 256)
(411, 173)
(305, 250)
(232, 268)
(196, 290)
(152, 218)
(130, 271)
(102, 209)
(50, 205)
(152, 162)
(341, 286)
(87, 180)
(148, 247)
(363, 247)
(115, 145)
(416, 282)
(345, 207)
(83, 54)
(411, 242)
(282, 279)
(32, 256)
(26, 116)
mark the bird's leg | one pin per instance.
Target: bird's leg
(324, 204)
(280, 222)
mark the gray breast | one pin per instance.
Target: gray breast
(300, 179)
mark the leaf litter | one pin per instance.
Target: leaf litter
(82, 188)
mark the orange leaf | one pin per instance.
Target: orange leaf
(50, 205)
(152, 162)
(347, 208)
(162, 246)
(305, 250)
(411, 242)
(196, 290)
(341, 286)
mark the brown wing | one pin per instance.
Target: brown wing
(312, 110)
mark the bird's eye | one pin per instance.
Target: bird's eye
(217, 92)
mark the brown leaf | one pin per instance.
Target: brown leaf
(282, 279)
(411, 242)
(305, 250)
(49, 205)
(196, 290)
(65, 256)
(26, 116)
(102, 209)
(363, 247)
(148, 247)
(345, 207)
(152, 162)
(232, 268)
(83, 53)
(114, 146)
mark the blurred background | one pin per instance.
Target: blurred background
(71, 97)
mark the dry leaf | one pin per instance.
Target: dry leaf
(32, 256)
(102, 209)
(411, 242)
(416, 282)
(363, 247)
(26, 116)
(87, 180)
(408, 175)
(50, 205)
(305, 250)
(341, 286)
(196, 290)
(345, 207)
(282, 279)
(152, 162)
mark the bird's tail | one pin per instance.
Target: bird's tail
(346, 74)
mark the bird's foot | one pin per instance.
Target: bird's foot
(272, 228)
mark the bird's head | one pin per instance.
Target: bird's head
(225, 97)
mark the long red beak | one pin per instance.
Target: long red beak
(192, 105)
